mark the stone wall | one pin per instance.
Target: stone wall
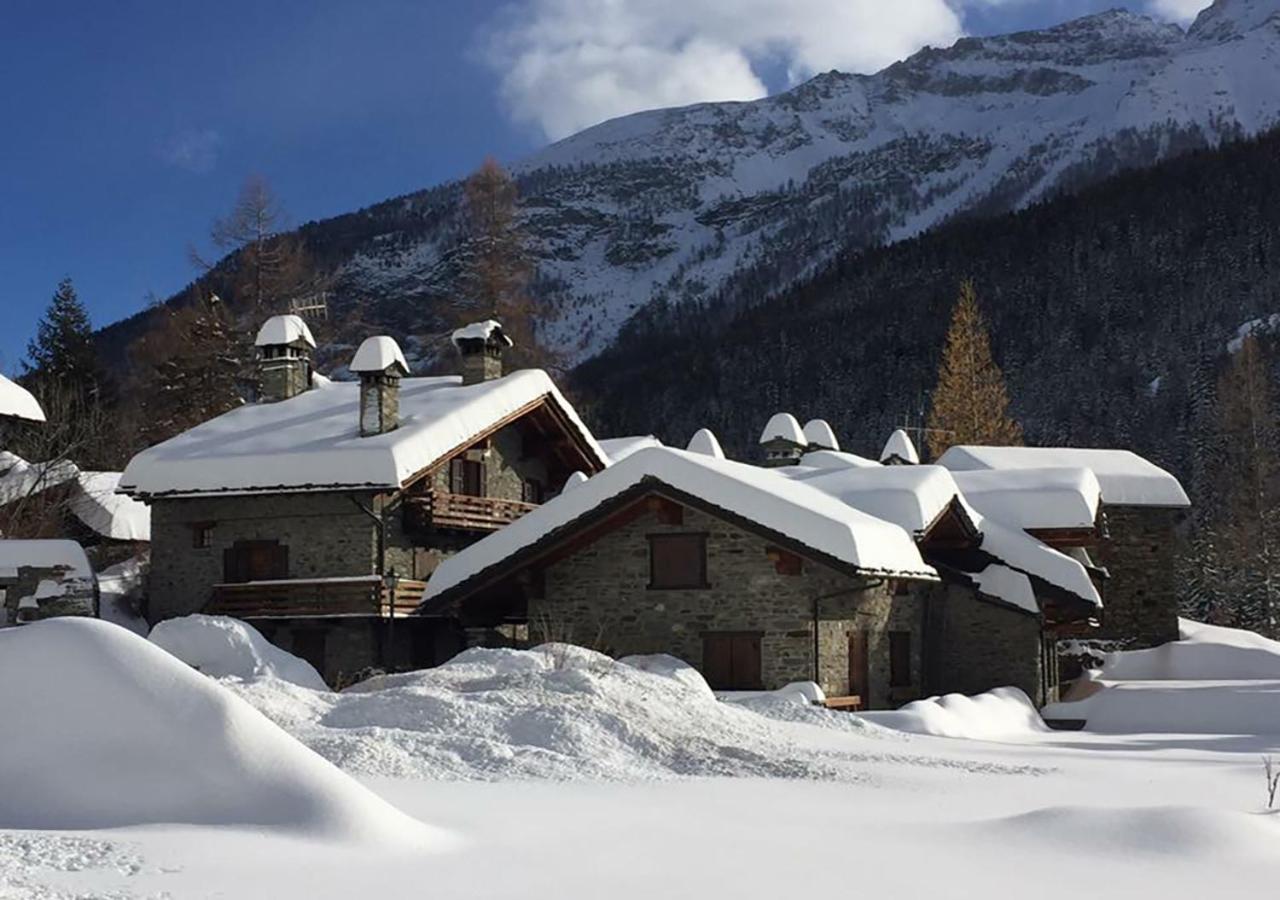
(283, 377)
(350, 648)
(600, 596)
(327, 536)
(1140, 605)
(71, 595)
(975, 646)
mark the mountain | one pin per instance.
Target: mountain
(740, 201)
(743, 199)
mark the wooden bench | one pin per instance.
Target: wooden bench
(850, 703)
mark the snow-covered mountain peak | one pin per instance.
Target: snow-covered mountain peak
(1228, 20)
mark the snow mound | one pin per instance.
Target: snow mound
(228, 648)
(554, 712)
(1206, 652)
(104, 729)
(1005, 712)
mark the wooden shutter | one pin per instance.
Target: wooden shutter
(899, 659)
(746, 662)
(280, 567)
(731, 660)
(457, 476)
(859, 670)
(677, 561)
(717, 661)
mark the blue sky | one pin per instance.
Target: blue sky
(129, 125)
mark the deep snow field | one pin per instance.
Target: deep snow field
(136, 769)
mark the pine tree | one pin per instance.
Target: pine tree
(62, 352)
(970, 402)
(497, 264)
(1250, 463)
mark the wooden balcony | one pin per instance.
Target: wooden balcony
(307, 597)
(462, 512)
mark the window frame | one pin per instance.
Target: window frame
(202, 535)
(701, 583)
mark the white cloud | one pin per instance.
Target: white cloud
(1183, 11)
(567, 64)
(193, 150)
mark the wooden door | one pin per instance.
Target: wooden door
(859, 667)
(731, 661)
(255, 561)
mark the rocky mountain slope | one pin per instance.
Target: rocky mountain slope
(743, 199)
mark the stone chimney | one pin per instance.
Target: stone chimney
(284, 358)
(380, 365)
(480, 346)
(782, 441)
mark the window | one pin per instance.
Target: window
(202, 535)
(899, 659)
(677, 561)
(731, 660)
(255, 561)
(531, 491)
(466, 476)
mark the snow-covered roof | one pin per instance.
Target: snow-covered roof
(574, 479)
(1126, 479)
(284, 330)
(900, 446)
(837, 459)
(1033, 498)
(19, 478)
(790, 508)
(619, 448)
(785, 427)
(481, 331)
(377, 354)
(911, 497)
(1008, 585)
(312, 441)
(45, 555)
(18, 402)
(704, 441)
(1019, 550)
(112, 515)
(817, 433)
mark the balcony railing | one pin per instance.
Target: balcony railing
(357, 596)
(439, 509)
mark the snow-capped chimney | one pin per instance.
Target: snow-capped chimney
(284, 358)
(783, 441)
(481, 345)
(380, 365)
(899, 450)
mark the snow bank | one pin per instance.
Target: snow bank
(104, 729)
(228, 648)
(555, 712)
(17, 401)
(1205, 652)
(1005, 712)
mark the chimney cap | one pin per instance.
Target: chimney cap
(704, 441)
(899, 448)
(489, 332)
(284, 330)
(379, 354)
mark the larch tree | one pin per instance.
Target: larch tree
(970, 402)
(497, 265)
(1249, 464)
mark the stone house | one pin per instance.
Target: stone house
(40, 579)
(817, 570)
(317, 512)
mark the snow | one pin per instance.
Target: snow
(46, 554)
(228, 648)
(1253, 326)
(783, 426)
(909, 496)
(899, 446)
(281, 330)
(18, 402)
(1212, 680)
(1033, 498)
(836, 459)
(19, 478)
(112, 515)
(1023, 553)
(574, 479)
(704, 441)
(120, 733)
(618, 449)
(120, 590)
(480, 331)
(312, 441)
(1125, 478)
(378, 354)
(818, 433)
(995, 715)
(792, 508)
(1008, 585)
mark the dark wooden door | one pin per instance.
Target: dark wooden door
(859, 668)
(731, 661)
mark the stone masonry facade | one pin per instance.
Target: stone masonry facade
(1140, 604)
(600, 595)
(975, 646)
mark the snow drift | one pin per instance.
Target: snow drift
(228, 648)
(1005, 712)
(103, 729)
